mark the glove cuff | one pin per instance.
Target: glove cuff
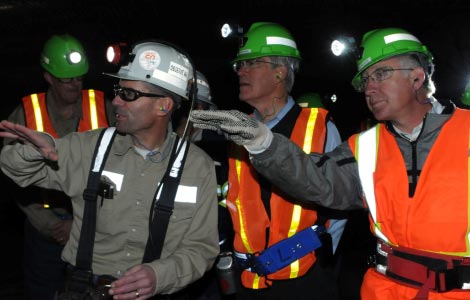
(261, 142)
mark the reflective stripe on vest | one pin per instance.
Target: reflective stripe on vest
(436, 218)
(37, 112)
(93, 112)
(93, 109)
(366, 156)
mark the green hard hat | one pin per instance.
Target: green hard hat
(380, 44)
(466, 95)
(64, 57)
(267, 39)
(310, 100)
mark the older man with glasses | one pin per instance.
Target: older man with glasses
(410, 171)
(265, 220)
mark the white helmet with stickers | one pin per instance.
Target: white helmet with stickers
(161, 65)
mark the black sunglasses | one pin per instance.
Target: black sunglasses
(129, 95)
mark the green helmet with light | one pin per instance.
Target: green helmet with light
(310, 100)
(64, 57)
(380, 44)
(267, 39)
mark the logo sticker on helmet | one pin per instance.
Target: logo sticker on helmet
(202, 82)
(149, 60)
(244, 51)
(364, 63)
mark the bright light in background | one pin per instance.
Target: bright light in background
(226, 30)
(337, 47)
(344, 45)
(333, 98)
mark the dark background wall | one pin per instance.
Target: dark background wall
(443, 26)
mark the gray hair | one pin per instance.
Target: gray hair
(292, 65)
(412, 61)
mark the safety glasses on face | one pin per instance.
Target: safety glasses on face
(379, 75)
(250, 64)
(129, 95)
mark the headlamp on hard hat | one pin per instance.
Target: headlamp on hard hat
(345, 45)
(233, 31)
(119, 54)
(63, 56)
(74, 57)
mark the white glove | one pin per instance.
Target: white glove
(235, 126)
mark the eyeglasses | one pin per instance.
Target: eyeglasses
(379, 75)
(129, 95)
(69, 80)
(250, 64)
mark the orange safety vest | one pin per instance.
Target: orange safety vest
(93, 110)
(436, 218)
(246, 207)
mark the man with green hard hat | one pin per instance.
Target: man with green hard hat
(65, 107)
(410, 171)
(310, 100)
(267, 223)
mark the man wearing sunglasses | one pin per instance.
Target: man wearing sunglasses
(65, 107)
(133, 254)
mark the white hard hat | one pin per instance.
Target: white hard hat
(161, 65)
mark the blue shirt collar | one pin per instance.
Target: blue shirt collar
(290, 103)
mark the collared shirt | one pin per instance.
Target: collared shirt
(436, 108)
(333, 139)
(191, 243)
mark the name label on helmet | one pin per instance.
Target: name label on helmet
(179, 71)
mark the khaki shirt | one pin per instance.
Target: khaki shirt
(191, 243)
(43, 219)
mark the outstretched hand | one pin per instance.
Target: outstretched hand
(235, 125)
(43, 142)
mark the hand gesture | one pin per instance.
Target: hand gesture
(42, 141)
(235, 125)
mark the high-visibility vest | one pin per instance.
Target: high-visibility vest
(246, 207)
(435, 219)
(93, 110)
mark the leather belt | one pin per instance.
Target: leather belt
(427, 271)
